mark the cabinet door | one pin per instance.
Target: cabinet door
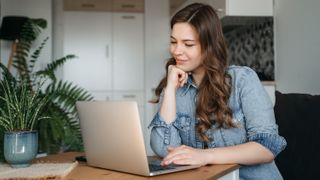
(250, 7)
(243, 7)
(87, 5)
(128, 5)
(128, 44)
(102, 95)
(137, 96)
(88, 36)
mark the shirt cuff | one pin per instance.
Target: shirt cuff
(162, 128)
(157, 121)
(273, 142)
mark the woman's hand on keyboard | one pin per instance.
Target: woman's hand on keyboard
(185, 155)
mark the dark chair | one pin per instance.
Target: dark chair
(298, 117)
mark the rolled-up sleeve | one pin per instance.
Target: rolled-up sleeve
(259, 115)
(273, 142)
(163, 135)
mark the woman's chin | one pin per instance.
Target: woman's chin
(183, 68)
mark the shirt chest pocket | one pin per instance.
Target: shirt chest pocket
(234, 136)
(183, 125)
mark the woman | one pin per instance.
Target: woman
(212, 113)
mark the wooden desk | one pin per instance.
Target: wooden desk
(85, 172)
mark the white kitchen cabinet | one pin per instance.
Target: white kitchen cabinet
(110, 50)
(102, 95)
(243, 7)
(137, 96)
(128, 53)
(88, 35)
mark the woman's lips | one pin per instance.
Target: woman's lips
(179, 61)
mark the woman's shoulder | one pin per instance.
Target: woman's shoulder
(235, 70)
(239, 72)
(242, 74)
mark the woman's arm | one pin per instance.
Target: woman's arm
(164, 133)
(248, 153)
(176, 78)
(168, 107)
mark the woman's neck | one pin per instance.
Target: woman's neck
(197, 77)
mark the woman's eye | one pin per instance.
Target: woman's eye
(173, 42)
(189, 45)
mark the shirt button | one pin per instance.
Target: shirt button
(166, 141)
(167, 131)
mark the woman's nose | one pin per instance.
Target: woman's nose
(177, 50)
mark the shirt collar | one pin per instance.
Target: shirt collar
(188, 85)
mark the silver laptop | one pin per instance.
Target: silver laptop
(113, 138)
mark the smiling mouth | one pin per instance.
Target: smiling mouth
(180, 61)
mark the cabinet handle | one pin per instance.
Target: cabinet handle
(107, 51)
(128, 17)
(88, 5)
(129, 96)
(128, 6)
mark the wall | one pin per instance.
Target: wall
(57, 19)
(297, 46)
(31, 9)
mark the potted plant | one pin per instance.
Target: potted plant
(62, 131)
(20, 110)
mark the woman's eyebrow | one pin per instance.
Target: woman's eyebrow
(184, 40)
(187, 40)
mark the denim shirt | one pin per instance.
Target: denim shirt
(252, 112)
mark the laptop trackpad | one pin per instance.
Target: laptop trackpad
(154, 165)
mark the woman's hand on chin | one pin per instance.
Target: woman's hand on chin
(176, 77)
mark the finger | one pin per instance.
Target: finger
(182, 160)
(170, 149)
(178, 159)
(168, 159)
(186, 78)
(183, 78)
(182, 147)
(181, 81)
(170, 67)
(175, 151)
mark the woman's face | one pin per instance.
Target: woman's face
(185, 48)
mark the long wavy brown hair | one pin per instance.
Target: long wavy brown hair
(215, 88)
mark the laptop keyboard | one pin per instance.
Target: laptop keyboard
(154, 165)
